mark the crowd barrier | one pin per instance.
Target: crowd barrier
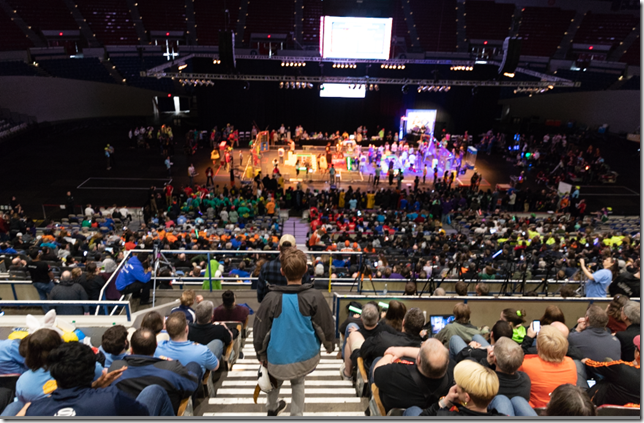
(485, 310)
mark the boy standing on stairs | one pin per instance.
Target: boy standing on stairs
(290, 325)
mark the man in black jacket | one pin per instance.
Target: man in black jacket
(374, 348)
(631, 316)
(409, 376)
(143, 369)
(205, 332)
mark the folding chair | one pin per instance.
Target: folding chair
(375, 405)
(617, 410)
(362, 381)
(186, 408)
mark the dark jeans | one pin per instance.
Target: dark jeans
(136, 287)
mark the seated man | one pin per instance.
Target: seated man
(621, 380)
(143, 369)
(461, 326)
(591, 336)
(213, 335)
(229, 311)
(114, 344)
(134, 278)
(630, 316)
(366, 328)
(72, 366)
(179, 348)
(514, 387)
(409, 376)
(478, 348)
(374, 348)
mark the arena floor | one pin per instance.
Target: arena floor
(41, 171)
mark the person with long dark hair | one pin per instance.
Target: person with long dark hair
(598, 282)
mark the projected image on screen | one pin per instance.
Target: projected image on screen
(342, 91)
(355, 38)
(418, 119)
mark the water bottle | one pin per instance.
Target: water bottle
(384, 292)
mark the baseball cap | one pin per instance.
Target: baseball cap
(288, 238)
(636, 342)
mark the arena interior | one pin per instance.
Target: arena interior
(331, 209)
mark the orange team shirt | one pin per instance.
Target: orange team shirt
(270, 207)
(545, 376)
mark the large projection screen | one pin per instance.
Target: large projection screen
(342, 91)
(355, 38)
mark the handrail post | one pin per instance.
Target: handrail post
(13, 288)
(209, 272)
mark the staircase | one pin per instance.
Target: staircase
(299, 229)
(326, 394)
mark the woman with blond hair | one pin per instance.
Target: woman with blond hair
(475, 388)
(550, 367)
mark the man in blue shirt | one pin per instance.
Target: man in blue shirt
(135, 278)
(180, 349)
(597, 283)
(72, 365)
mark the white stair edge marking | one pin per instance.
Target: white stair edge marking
(322, 382)
(287, 391)
(256, 366)
(308, 400)
(312, 414)
(322, 361)
(253, 373)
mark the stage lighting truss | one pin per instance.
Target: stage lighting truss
(344, 65)
(462, 68)
(195, 82)
(434, 88)
(293, 64)
(533, 90)
(295, 85)
(396, 66)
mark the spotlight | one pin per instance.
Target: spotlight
(334, 65)
(403, 67)
(370, 87)
(287, 86)
(298, 85)
(216, 62)
(282, 83)
(448, 88)
(310, 85)
(292, 85)
(420, 88)
(376, 87)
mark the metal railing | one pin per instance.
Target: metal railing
(53, 303)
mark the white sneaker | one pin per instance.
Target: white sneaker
(344, 377)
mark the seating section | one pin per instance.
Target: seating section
(12, 36)
(110, 21)
(275, 16)
(210, 17)
(542, 29)
(399, 29)
(89, 69)
(487, 20)
(129, 68)
(45, 15)
(163, 15)
(311, 25)
(435, 23)
(632, 55)
(16, 68)
(605, 28)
